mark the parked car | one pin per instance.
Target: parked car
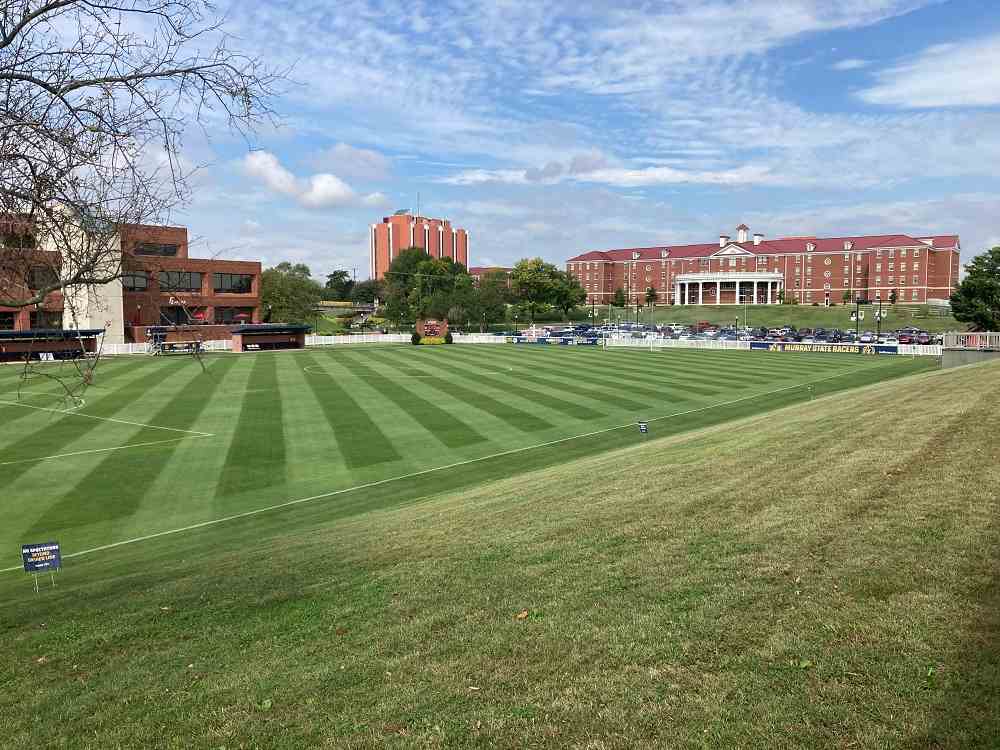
(923, 338)
(868, 337)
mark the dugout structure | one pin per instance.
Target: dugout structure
(269, 336)
(48, 344)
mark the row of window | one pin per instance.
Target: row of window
(179, 316)
(762, 258)
(189, 281)
(38, 319)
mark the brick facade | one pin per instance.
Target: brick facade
(810, 269)
(400, 231)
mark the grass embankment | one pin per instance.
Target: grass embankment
(800, 316)
(821, 576)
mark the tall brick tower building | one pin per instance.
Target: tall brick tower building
(402, 230)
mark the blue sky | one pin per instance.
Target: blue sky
(551, 128)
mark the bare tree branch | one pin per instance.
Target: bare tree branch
(95, 98)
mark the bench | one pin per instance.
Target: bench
(177, 347)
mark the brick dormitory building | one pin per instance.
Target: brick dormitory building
(160, 286)
(437, 237)
(756, 270)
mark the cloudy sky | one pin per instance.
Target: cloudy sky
(549, 128)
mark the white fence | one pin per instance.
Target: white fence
(985, 340)
(365, 338)
(658, 343)
(621, 341)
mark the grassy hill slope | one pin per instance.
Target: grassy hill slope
(800, 316)
(820, 576)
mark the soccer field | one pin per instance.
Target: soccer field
(161, 445)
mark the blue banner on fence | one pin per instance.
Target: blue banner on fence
(39, 557)
(554, 340)
(782, 346)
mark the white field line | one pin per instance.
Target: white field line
(108, 419)
(102, 450)
(480, 459)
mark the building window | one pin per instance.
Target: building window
(916, 279)
(156, 248)
(826, 274)
(878, 252)
(903, 252)
(232, 283)
(892, 266)
(227, 315)
(892, 252)
(136, 281)
(913, 294)
(847, 256)
(878, 267)
(180, 281)
(6, 321)
(826, 286)
(878, 280)
(916, 252)
(828, 260)
(40, 277)
(46, 319)
(916, 266)
(845, 283)
(891, 279)
(902, 266)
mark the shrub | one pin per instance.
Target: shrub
(415, 338)
(448, 338)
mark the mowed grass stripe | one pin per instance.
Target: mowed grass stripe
(680, 374)
(136, 469)
(58, 432)
(506, 412)
(362, 443)
(513, 385)
(10, 414)
(256, 456)
(602, 375)
(567, 384)
(439, 423)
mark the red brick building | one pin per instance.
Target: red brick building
(402, 230)
(160, 285)
(757, 270)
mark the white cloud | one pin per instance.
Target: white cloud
(321, 190)
(351, 162)
(851, 63)
(266, 168)
(945, 75)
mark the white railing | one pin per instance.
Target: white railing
(658, 343)
(478, 338)
(920, 350)
(364, 338)
(986, 340)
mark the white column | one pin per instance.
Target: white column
(677, 293)
(718, 292)
(770, 293)
(701, 292)
(754, 300)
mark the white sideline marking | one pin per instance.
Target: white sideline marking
(108, 419)
(102, 450)
(368, 485)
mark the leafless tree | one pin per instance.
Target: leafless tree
(95, 97)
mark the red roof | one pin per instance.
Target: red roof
(778, 246)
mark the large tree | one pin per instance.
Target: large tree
(366, 292)
(977, 299)
(567, 294)
(533, 284)
(339, 285)
(288, 296)
(494, 294)
(96, 98)
(399, 282)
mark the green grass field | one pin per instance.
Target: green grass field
(803, 552)
(160, 444)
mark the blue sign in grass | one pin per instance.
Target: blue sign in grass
(41, 557)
